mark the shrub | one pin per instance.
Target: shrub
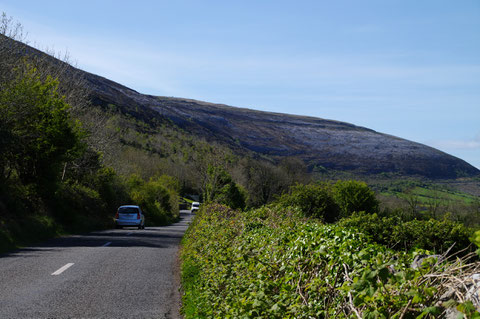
(379, 228)
(432, 234)
(231, 195)
(395, 232)
(314, 200)
(159, 202)
(354, 196)
(80, 208)
(111, 188)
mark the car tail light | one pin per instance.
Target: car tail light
(138, 215)
(116, 215)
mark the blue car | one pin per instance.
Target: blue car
(129, 216)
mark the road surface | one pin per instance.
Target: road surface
(123, 273)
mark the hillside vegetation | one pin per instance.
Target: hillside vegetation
(53, 179)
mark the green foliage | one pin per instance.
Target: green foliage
(354, 196)
(395, 232)
(476, 240)
(221, 188)
(80, 208)
(40, 134)
(379, 228)
(111, 188)
(158, 198)
(271, 263)
(469, 310)
(314, 200)
(231, 195)
(6, 241)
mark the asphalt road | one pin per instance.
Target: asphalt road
(123, 273)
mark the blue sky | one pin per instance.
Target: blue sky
(405, 68)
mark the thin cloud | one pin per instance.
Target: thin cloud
(473, 144)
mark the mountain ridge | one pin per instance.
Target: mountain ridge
(320, 142)
(328, 144)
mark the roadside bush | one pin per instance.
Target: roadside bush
(432, 234)
(80, 208)
(354, 196)
(6, 241)
(159, 202)
(394, 232)
(379, 228)
(314, 200)
(111, 188)
(19, 232)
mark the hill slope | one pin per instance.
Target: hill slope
(319, 142)
(331, 144)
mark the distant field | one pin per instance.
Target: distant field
(426, 195)
(425, 192)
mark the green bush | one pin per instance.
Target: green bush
(379, 228)
(231, 195)
(314, 200)
(6, 241)
(432, 234)
(354, 196)
(156, 197)
(79, 208)
(111, 188)
(24, 231)
(395, 232)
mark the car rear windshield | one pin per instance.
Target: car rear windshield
(128, 210)
(195, 205)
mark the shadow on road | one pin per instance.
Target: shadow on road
(153, 237)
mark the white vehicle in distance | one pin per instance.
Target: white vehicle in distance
(129, 216)
(195, 207)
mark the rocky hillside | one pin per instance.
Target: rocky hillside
(319, 142)
(330, 144)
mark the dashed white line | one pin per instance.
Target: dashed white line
(107, 244)
(129, 234)
(62, 269)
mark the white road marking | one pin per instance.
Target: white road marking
(107, 244)
(58, 272)
(129, 234)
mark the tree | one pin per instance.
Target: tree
(231, 195)
(41, 136)
(222, 189)
(264, 181)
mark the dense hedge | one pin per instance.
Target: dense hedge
(275, 264)
(395, 232)
(328, 202)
